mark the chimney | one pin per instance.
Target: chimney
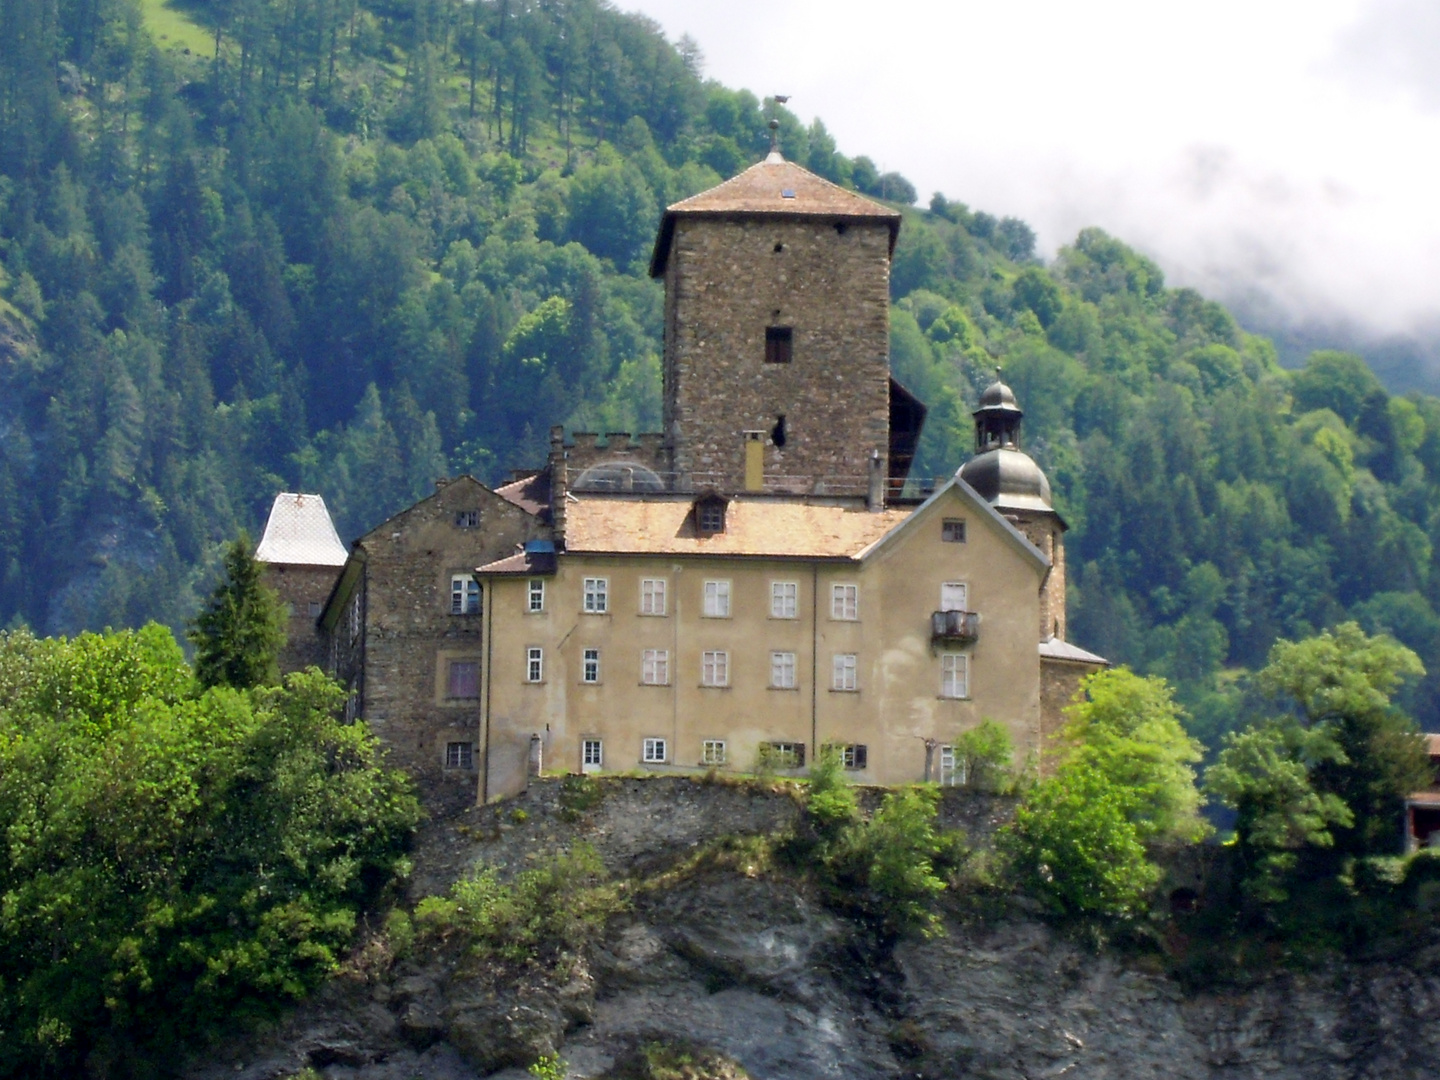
(875, 500)
(559, 483)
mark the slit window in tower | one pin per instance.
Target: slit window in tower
(779, 343)
(777, 433)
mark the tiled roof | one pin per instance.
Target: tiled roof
(523, 563)
(758, 526)
(300, 533)
(773, 186)
(530, 493)
(1055, 649)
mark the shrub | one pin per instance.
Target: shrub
(545, 914)
(986, 754)
(885, 867)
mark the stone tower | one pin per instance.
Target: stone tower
(777, 353)
(1009, 480)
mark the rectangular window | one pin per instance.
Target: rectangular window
(534, 664)
(464, 680)
(954, 675)
(464, 595)
(537, 594)
(467, 519)
(784, 596)
(597, 595)
(592, 755)
(654, 752)
(779, 344)
(954, 596)
(710, 516)
(714, 668)
(652, 596)
(855, 756)
(315, 607)
(844, 672)
(845, 602)
(590, 666)
(712, 752)
(717, 600)
(459, 755)
(951, 772)
(655, 667)
(952, 531)
(783, 755)
(782, 670)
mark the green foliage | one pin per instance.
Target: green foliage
(1073, 845)
(986, 755)
(1333, 773)
(241, 631)
(548, 1067)
(830, 802)
(1128, 730)
(173, 862)
(544, 915)
(883, 867)
(1123, 780)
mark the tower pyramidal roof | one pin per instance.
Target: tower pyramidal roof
(772, 187)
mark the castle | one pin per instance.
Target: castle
(753, 583)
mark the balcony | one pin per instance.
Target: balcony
(960, 627)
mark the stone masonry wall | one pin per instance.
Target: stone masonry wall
(726, 281)
(1043, 530)
(411, 636)
(304, 590)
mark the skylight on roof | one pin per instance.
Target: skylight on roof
(788, 193)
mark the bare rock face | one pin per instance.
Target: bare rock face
(751, 975)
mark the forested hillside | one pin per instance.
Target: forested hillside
(349, 246)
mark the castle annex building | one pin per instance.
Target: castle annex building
(753, 583)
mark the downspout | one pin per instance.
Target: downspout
(485, 718)
(814, 660)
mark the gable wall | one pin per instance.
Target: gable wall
(410, 636)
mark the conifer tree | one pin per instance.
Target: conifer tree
(242, 629)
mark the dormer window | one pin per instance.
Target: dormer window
(710, 516)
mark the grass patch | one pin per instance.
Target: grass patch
(172, 28)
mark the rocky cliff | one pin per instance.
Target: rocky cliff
(720, 969)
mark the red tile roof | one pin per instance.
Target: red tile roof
(772, 187)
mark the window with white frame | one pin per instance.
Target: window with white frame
(590, 666)
(844, 670)
(464, 595)
(654, 752)
(714, 668)
(954, 675)
(655, 667)
(783, 755)
(592, 755)
(534, 664)
(855, 756)
(845, 602)
(652, 596)
(951, 771)
(717, 600)
(952, 531)
(459, 755)
(784, 597)
(536, 594)
(712, 752)
(782, 670)
(954, 596)
(463, 679)
(597, 596)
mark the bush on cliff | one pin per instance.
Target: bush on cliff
(172, 861)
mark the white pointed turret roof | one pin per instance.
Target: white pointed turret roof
(300, 533)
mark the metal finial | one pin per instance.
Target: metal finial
(774, 136)
(998, 371)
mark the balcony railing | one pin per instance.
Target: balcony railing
(958, 626)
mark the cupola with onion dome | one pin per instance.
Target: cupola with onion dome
(1000, 471)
